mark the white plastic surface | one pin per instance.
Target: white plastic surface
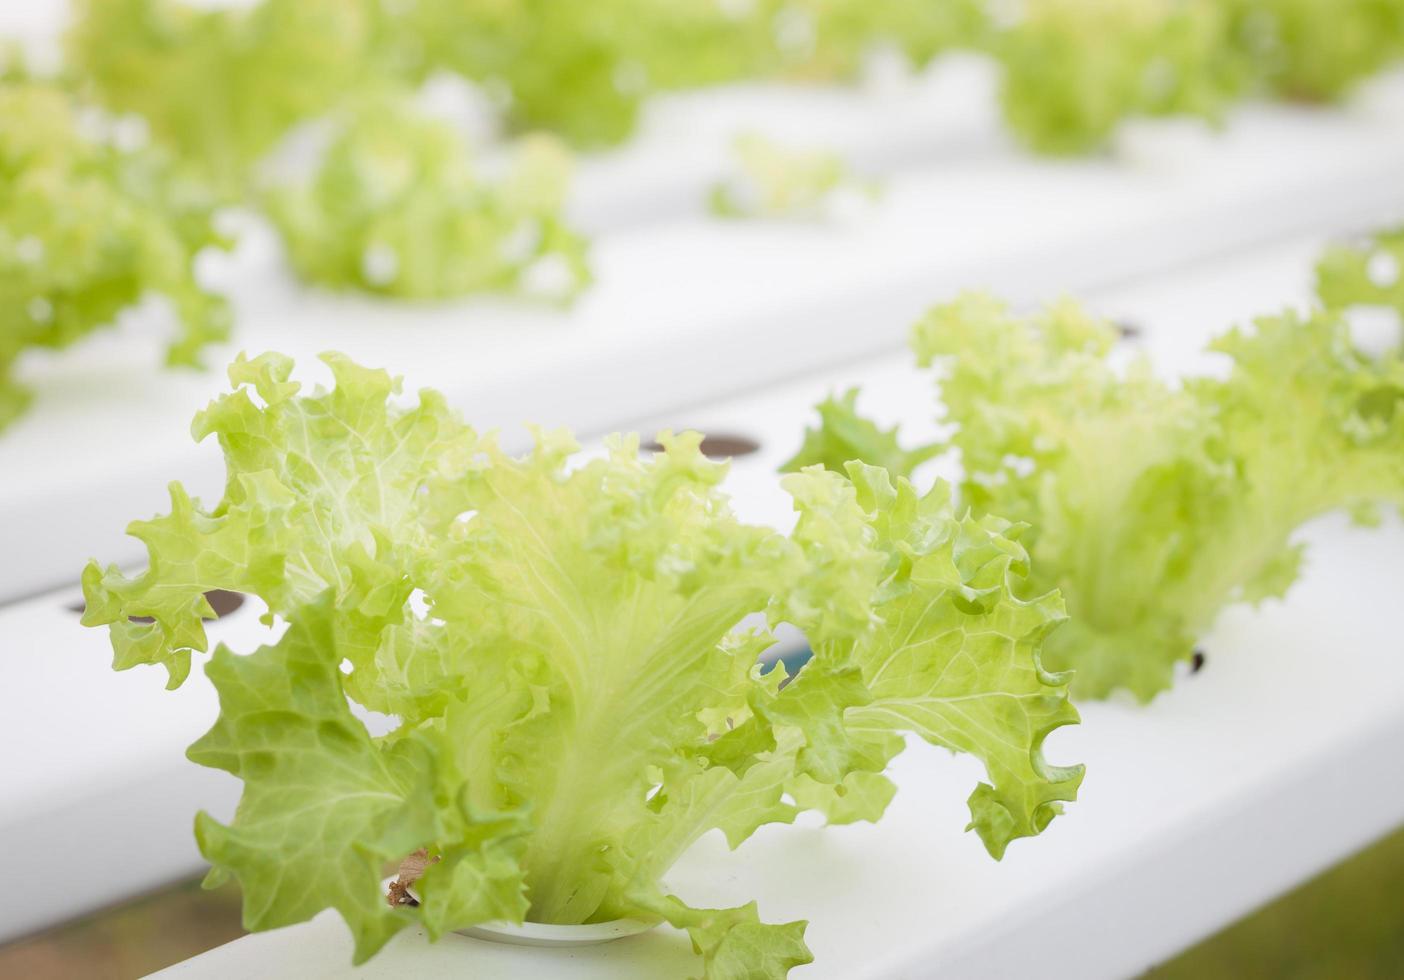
(688, 308)
(541, 934)
(1230, 766)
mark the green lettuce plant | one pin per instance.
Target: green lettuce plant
(1074, 69)
(222, 86)
(90, 224)
(1317, 50)
(560, 643)
(583, 71)
(1153, 505)
(396, 206)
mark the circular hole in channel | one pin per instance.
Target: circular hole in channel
(718, 445)
(222, 601)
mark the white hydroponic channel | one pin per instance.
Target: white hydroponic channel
(1246, 778)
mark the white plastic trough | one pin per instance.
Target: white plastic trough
(1250, 776)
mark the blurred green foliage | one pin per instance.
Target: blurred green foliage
(215, 82)
(397, 207)
(1073, 69)
(90, 222)
(1317, 50)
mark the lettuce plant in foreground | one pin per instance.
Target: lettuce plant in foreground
(88, 226)
(559, 641)
(396, 206)
(1152, 505)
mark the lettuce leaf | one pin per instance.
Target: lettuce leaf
(214, 83)
(843, 434)
(1154, 505)
(395, 207)
(584, 71)
(90, 224)
(560, 642)
(1367, 273)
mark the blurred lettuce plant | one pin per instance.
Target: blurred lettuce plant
(777, 181)
(1074, 69)
(396, 206)
(583, 70)
(1317, 50)
(221, 86)
(90, 223)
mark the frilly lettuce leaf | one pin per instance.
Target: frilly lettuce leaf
(1151, 505)
(559, 642)
(89, 224)
(396, 207)
(957, 654)
(583, 71)
(843, 434)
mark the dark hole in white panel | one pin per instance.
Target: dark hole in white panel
(222, 601)
(720, 445)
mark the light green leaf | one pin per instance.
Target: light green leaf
(843, 435)
(1367, 273)
(861, 796)
(734, 943)
(396, 206)
(324, 807)
(565, 646)
(1153, 505)
(213, 83)
(1074, 69)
